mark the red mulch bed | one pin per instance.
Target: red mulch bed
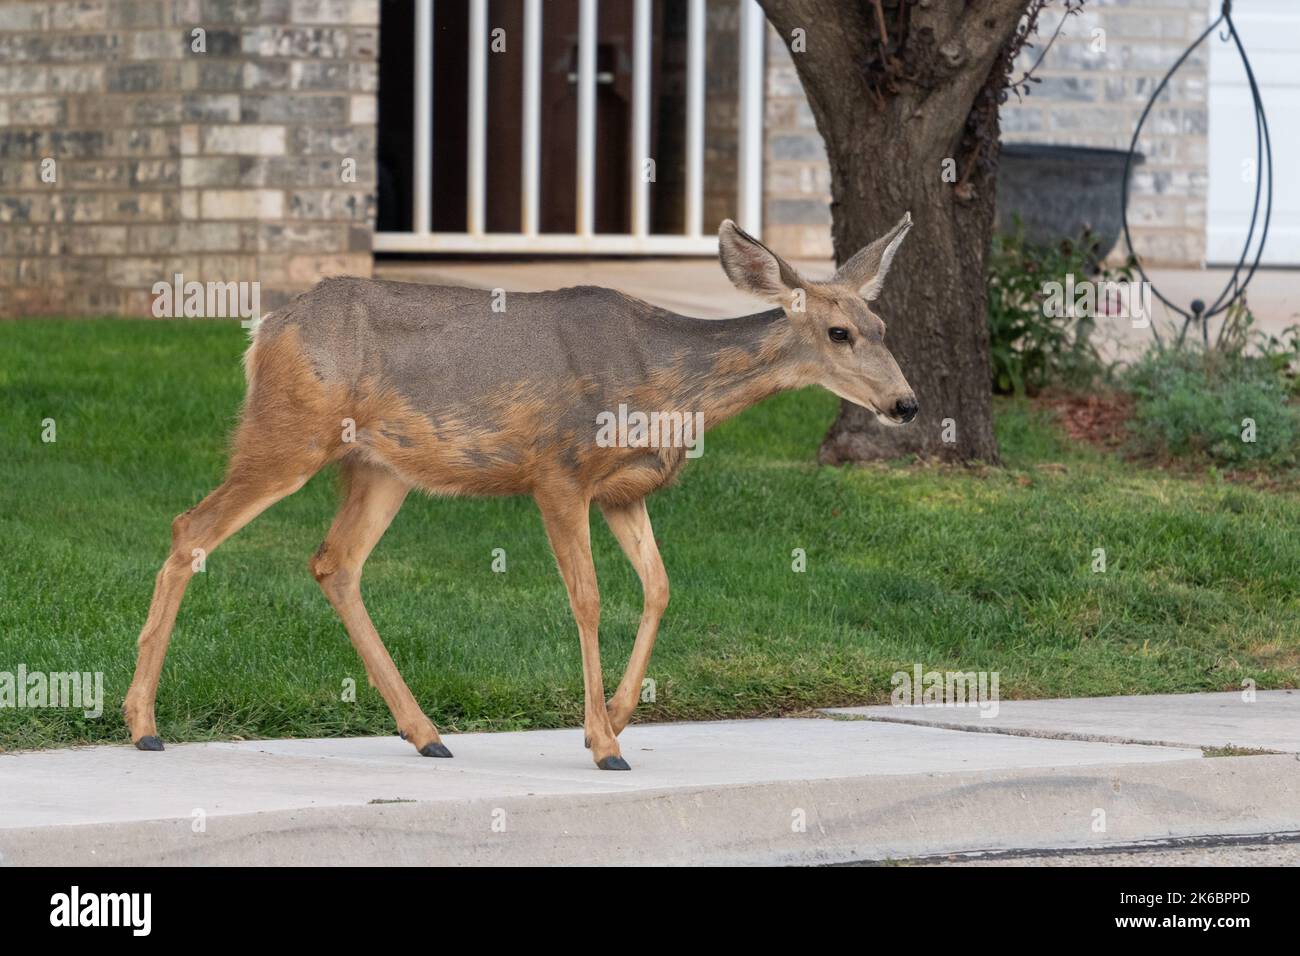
(1096, 419)
(1100, 420)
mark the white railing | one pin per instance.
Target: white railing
(583, 239)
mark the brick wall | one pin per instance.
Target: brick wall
(796, 179)
(1088, 97)
(223, 165)
(1094, 96)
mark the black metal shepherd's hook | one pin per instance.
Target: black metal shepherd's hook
(1235, 289)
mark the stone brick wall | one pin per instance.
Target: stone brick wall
(1097, 78)
(1089, 96)
(796, 179)
(126, 156)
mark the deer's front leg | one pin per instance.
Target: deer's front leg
(631, 526)
(569, 530)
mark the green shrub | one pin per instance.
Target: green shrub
(1195, 403)
(1031, 349)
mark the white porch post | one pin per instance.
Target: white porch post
(749, 201)
(421, 193)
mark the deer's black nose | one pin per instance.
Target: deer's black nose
(905, 410)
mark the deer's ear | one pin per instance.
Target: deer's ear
(754, 268)
(865, 272)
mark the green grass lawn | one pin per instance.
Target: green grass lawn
(987, 570)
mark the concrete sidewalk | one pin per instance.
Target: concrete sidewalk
(1270, 722)
(766, 791)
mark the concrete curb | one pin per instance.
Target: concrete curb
(846, 819)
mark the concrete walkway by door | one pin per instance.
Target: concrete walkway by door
(688, 285)
(697, 286)
(855, 786)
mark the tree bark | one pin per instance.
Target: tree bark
(891, 111)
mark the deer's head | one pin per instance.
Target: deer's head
(841, 336)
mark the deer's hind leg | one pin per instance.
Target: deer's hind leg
(247, 491)
(284, 437)
(374, 496)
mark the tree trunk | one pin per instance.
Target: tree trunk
(910, 124)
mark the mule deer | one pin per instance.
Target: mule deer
(439, 392)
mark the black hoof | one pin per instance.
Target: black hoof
(434, 750)
(148, 743)
(613, 763)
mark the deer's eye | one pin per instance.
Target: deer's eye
(838, 334)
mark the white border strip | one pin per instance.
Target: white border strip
(532, 103)
(476, 158)
(586, 178)
(421, 194)
(695, 118)
(548, 242)
(641, 39)
(749, 198)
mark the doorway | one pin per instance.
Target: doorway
(624, 126)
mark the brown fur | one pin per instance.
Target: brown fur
(366, 358)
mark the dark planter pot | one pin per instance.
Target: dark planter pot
(1058, 191)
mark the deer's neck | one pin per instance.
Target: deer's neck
(721, 367)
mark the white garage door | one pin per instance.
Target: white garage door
(1270, 32)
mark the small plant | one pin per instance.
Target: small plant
(1238, 337)
(1225, 399)
(1231, 408)
(1030, 346)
